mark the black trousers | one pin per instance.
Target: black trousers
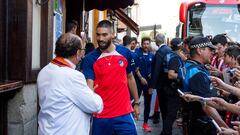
(201, 126)
(147, 104)
(147, 99)
(169, 102)
(186, 115)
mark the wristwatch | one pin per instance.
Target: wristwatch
(137, 103)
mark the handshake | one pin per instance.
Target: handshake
(191, 98)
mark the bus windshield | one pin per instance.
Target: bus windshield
(204, 19)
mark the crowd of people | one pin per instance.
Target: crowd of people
(198, 78)
(218, 93)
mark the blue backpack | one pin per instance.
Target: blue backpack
(168, 57)
(190, 69)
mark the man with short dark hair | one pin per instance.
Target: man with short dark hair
(127, 41)
(143, 75)
(186, 48)
(72, 27)
(110, 68)
(65, 99)
(230, 55)
(217, 61)
(133, 43)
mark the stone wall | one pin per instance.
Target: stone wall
(22, 112)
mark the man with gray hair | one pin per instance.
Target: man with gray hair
(160, 39)
(159, 78)
(65, 100)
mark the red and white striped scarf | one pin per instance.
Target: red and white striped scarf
(218, 63)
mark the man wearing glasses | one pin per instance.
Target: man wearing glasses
(65, 100)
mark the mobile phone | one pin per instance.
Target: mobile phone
(180, 92)
(216, 125)
(232, 72)
(208, 66)
(204, 100)
(82, 34)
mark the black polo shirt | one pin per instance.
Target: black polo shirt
(200, 84)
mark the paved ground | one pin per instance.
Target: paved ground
(156, 127)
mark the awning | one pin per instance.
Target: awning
(106, 4)
(120, 14)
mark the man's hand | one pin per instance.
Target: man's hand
(217, 82)
(237, 73)
(191, 98)
(133, 89)
(214, 69)
(91, 85)
(183, 56)
(238, 103)
(150, 91)
(95, 87)
(136, 111)
(236, 125)
(144, 81)
(228, 131)
(218, 103)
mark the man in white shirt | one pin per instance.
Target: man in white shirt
(65, 100)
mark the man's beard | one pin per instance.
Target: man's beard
(145, 50)
(132, 47)
(104, 44)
